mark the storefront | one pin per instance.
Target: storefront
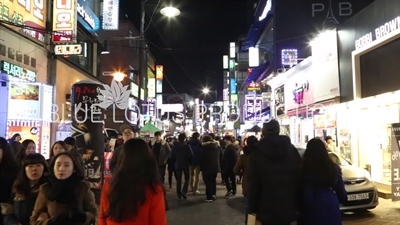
(25, 96)
(369, 46)
(312, 90)
(66, 76)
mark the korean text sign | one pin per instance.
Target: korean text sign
(64, 21)
(26, 16)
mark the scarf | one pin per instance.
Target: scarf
(63, 191)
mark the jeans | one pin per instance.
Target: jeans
(162, 170)
(194, 177)
(230, 182)
(210, 180)
(178, 176)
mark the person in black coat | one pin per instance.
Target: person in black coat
(274, 178)
(210, 158)
(230, 159)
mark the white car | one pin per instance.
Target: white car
(362, 193)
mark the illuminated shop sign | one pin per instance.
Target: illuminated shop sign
(64, 21)
(380, 32)
(151, 106)
(17, 14)
(253, 86)
(233, 86)
(75, 49)
(18, 72)
(87, 17)
(110, 14)
(159, 72)
(289, 57)
(298, 92)
(253, 106)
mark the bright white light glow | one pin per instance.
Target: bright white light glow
(266, 10)
(170, 11)
(254, 57)
(232, 49)
(206, 90)
(118, 76)
(191, 103)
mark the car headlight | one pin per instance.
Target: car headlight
(367, 174)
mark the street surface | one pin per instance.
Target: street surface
(195, 211)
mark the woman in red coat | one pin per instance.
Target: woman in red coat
(134, 194)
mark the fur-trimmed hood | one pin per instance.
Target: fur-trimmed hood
(210, 143)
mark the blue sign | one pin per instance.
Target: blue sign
(233, 85)
(87, 17)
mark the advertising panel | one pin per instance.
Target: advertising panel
(47, 102)
(249, 107)
(232, 84)
(142, 94)
(87, 17)
(24, 102)
(134, 90)
(74, 49)
(87, 129)
(110, 14)
(159, 86)
(253, 86)
(289, 57)
(151, 88)
(64, 21)
(159, 72)
(395, 161)
(18, 72)
(27, 17)
(151, 106)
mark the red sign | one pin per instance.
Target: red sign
(253, 86)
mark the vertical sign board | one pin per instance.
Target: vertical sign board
(249, 112)
(110, 14)
(64, 21)
(395, 161)
(159, 72)
(258, 108)
(87, 129)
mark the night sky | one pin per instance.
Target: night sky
(191, 45)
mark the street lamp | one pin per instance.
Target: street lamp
(206, 90)
(170, 11)
(118, 76)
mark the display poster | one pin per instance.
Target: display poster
(45, 137)
(395, 162)
(28, 129)
(24, 101)
(86, 127)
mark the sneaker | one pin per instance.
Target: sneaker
(208, 200)
(214, 197)
(196, 192)
(184, 196)
(228, 194)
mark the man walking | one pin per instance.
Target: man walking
(182, 155)
(195, 144)
(127, 133)
(161, 151)
(274, 178)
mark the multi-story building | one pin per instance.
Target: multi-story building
(124, 58)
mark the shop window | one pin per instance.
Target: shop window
(33, 62)
(3, 50)
(26, 59)
(11, 53)
(19, 56)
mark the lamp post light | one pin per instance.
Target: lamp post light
(170, 11)
(118, 76)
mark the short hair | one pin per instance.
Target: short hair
(157, 134)
(207, 138)
(228, 138)
(182, 137)
(195, 135)
(327, 138)
(212, 135)
(70, 141)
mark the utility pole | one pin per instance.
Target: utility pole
(141, 56)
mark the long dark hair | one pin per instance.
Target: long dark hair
(251, 144)
(136, 171)
(316, 161)
(22, 184)
(8, 164)
(22, 151)
(63, 145)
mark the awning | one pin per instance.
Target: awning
(254, 34)
(263, 70)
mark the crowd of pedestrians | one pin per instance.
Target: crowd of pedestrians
(279, 186)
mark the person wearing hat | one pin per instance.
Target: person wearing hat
(127, 133)
(274, 178)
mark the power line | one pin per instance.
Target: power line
(152, 15)
(173, 55)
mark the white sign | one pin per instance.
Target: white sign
(151, 88)
(159, 86)
(380, 32)
(89, 19)
(24, 102)
(68, 49)
(134, 89)
(110, 14)
(47, 102)
(345, 8)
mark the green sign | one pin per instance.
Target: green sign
(18, 72)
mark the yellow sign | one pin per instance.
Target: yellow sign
(26, 16)
(64, 21)
(159, 72)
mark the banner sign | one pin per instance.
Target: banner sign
(75, 49)
(395, 162)
(159, 72)
(253, 106)
(87, 129)
(18, 72)
(110, 14)
(64, 21)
